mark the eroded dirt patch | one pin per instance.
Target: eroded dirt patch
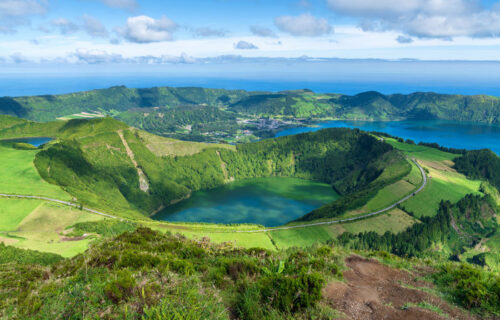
(375, 291)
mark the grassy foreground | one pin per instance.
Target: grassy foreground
(145, 274)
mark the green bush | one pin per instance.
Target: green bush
(292, 293)
(122, 287)
(471, 286)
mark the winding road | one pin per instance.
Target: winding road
(424, 183)
(71, 204)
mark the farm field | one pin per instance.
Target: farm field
(82, 115)
(161, 146)
(444, 182)
(40, 225)
(394, 221)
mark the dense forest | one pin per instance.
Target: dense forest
(298, 104)
(458, 225)
(480, 164)
(194, 123)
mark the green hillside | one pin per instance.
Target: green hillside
(298, 104)
(63, 262)
(115, 99)
(105, 164)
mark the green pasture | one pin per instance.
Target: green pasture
(441, 185)
(421, 152)
(18, 175)
(39, 225)
(393, 221)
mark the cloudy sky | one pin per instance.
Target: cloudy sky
(203, 31)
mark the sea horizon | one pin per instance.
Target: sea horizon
(51, 84)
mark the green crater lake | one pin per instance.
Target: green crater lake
(271, 202)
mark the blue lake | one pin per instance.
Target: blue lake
(271, 201)
(453, 134)
(35, 141)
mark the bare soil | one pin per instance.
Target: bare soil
(375, 291)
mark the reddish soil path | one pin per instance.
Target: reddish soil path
(375, 291)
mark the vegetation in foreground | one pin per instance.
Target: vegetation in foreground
(145, 274)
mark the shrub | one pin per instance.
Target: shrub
(291, 293)
(239, 267)
(471, 287)
(186, 304)
(136, 260)
(121, 288)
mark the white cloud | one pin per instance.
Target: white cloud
(404, 39)
(304, 25)
(245, 45)
(423, 18)
(144, 29)
(263, 32)
(209, 32)
(18, 58)
(96, 56)
(122, 4)
(21, 8)
(94, 27)
(103, 57)
(64, 26)
(14, 13)
(304, 4)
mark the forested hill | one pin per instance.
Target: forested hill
(91, 160)
(297, 103)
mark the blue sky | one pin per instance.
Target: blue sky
(139, 32)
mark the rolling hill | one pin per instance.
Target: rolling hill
(106, 164)
(298, 103)
(437, 252)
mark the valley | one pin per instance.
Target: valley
(97, 179)
(249, 160)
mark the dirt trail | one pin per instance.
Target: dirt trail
(375, 291)
(224, 168)
(143, 180)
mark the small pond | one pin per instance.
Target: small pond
(35, 141)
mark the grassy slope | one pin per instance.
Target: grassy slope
(39, 225)
(19, 175)
(171, 147)
(13, 211)
(444, 182)
(42, 229)
(147, 275)
(393, 221)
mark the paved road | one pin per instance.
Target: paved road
(424, 183)
(71, 204)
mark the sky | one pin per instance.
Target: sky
(139, 33)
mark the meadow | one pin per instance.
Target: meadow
(19, 175)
